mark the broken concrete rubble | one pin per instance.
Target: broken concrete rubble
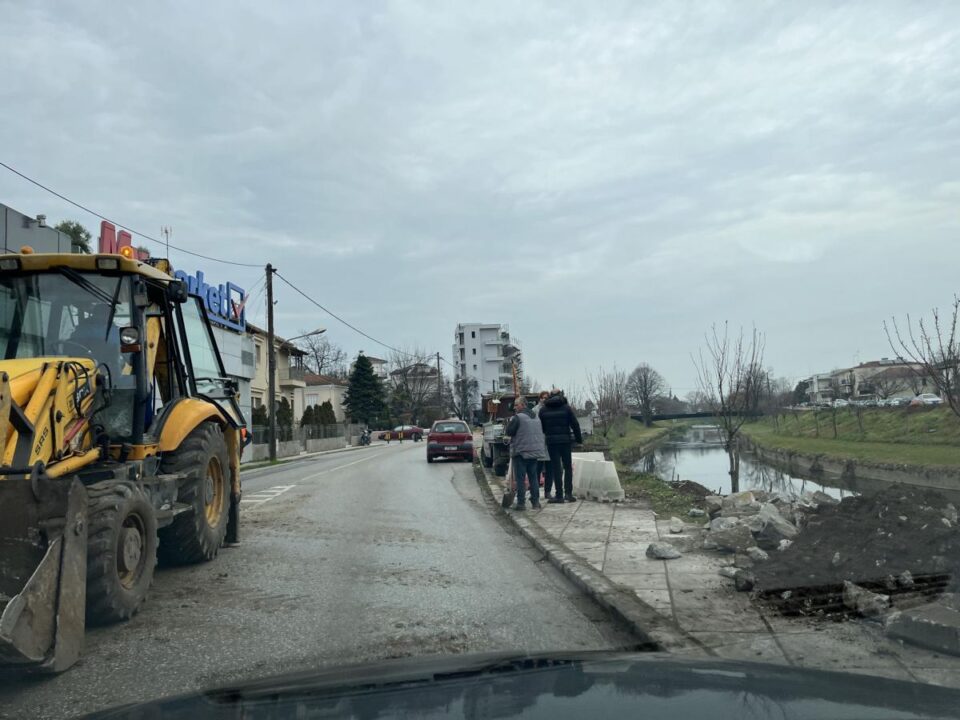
(935, 626)
(744, 580)
(739, 500)
(676, 525)
(865, 602)
(723, 523)
(662, 551)
(775, 528)
(733, 539)
(713, 504)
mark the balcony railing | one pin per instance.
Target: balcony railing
(292, 373)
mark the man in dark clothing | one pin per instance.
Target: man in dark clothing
(526, 446)
(559, 422)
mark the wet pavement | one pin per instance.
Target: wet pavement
(346, 557)
(689, 593)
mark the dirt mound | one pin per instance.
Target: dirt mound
(870, 541)
(691, 488)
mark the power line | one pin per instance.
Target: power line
(340, 319)
(125, 227)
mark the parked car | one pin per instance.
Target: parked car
(898, 402)
(404, 432)
(926, 399)
(451, 439)
(840, 402)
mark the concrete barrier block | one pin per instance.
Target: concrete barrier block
(596, 478)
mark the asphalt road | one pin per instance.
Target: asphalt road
(346, 557)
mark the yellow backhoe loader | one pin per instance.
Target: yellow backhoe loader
(121, 438)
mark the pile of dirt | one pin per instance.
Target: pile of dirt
(868, 540)
(691, 488)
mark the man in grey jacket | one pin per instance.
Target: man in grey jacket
(526, 447)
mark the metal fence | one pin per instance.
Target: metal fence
(307, 432)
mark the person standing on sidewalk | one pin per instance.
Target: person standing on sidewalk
(543, 467)
(559, 423)
(526, 447)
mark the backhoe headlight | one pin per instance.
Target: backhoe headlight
(107, 263)
(9, 263)
(129, 340)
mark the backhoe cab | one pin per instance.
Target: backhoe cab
(120, 437)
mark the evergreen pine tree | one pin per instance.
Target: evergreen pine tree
(364, 398)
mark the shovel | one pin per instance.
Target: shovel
(510, 491)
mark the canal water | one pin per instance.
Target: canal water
(699, 456)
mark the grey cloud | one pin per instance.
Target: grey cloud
(609, 179)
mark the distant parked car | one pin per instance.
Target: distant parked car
(840, 402)
(451, 439)
(898, 402)
(405, 432)
(926, 399)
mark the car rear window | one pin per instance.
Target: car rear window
(450, 427)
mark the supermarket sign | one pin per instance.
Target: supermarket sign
(224, 302)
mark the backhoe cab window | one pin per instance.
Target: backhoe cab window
(206, 369)
(66, 313)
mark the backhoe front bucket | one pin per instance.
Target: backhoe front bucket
(43, 568)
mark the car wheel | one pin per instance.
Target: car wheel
(429, 458)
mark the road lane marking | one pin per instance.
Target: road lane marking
(340, 467)
(262, 496)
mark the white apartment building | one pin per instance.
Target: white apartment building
(485, 352)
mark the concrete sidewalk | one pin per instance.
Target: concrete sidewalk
(695, 601)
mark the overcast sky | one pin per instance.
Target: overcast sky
(608, 178)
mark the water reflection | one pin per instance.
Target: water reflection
(700, 457)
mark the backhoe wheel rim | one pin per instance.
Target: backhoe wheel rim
(130, 556)
(214, 492)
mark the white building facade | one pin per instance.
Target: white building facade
(486, 352)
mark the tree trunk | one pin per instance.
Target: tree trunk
(833, 417)
(816, 421)
(733, 454)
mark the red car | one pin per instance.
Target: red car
(406, 432)
(451, 439)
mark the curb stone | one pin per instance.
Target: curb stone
(654, 630)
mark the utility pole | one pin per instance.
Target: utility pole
(271, 368)
(439, 386)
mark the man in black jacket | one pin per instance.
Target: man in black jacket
(560, 428)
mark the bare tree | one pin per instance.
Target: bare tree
(933, 345)
(609, 391)
(416, 384)
(463, 396)
(697, 401)
(575, 396)
(891, 381)
(725, 376)
(323, 356)
(643, 385)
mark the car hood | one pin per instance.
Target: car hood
(601, 684)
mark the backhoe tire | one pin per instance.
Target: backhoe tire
(121, 550)
(196, 535)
